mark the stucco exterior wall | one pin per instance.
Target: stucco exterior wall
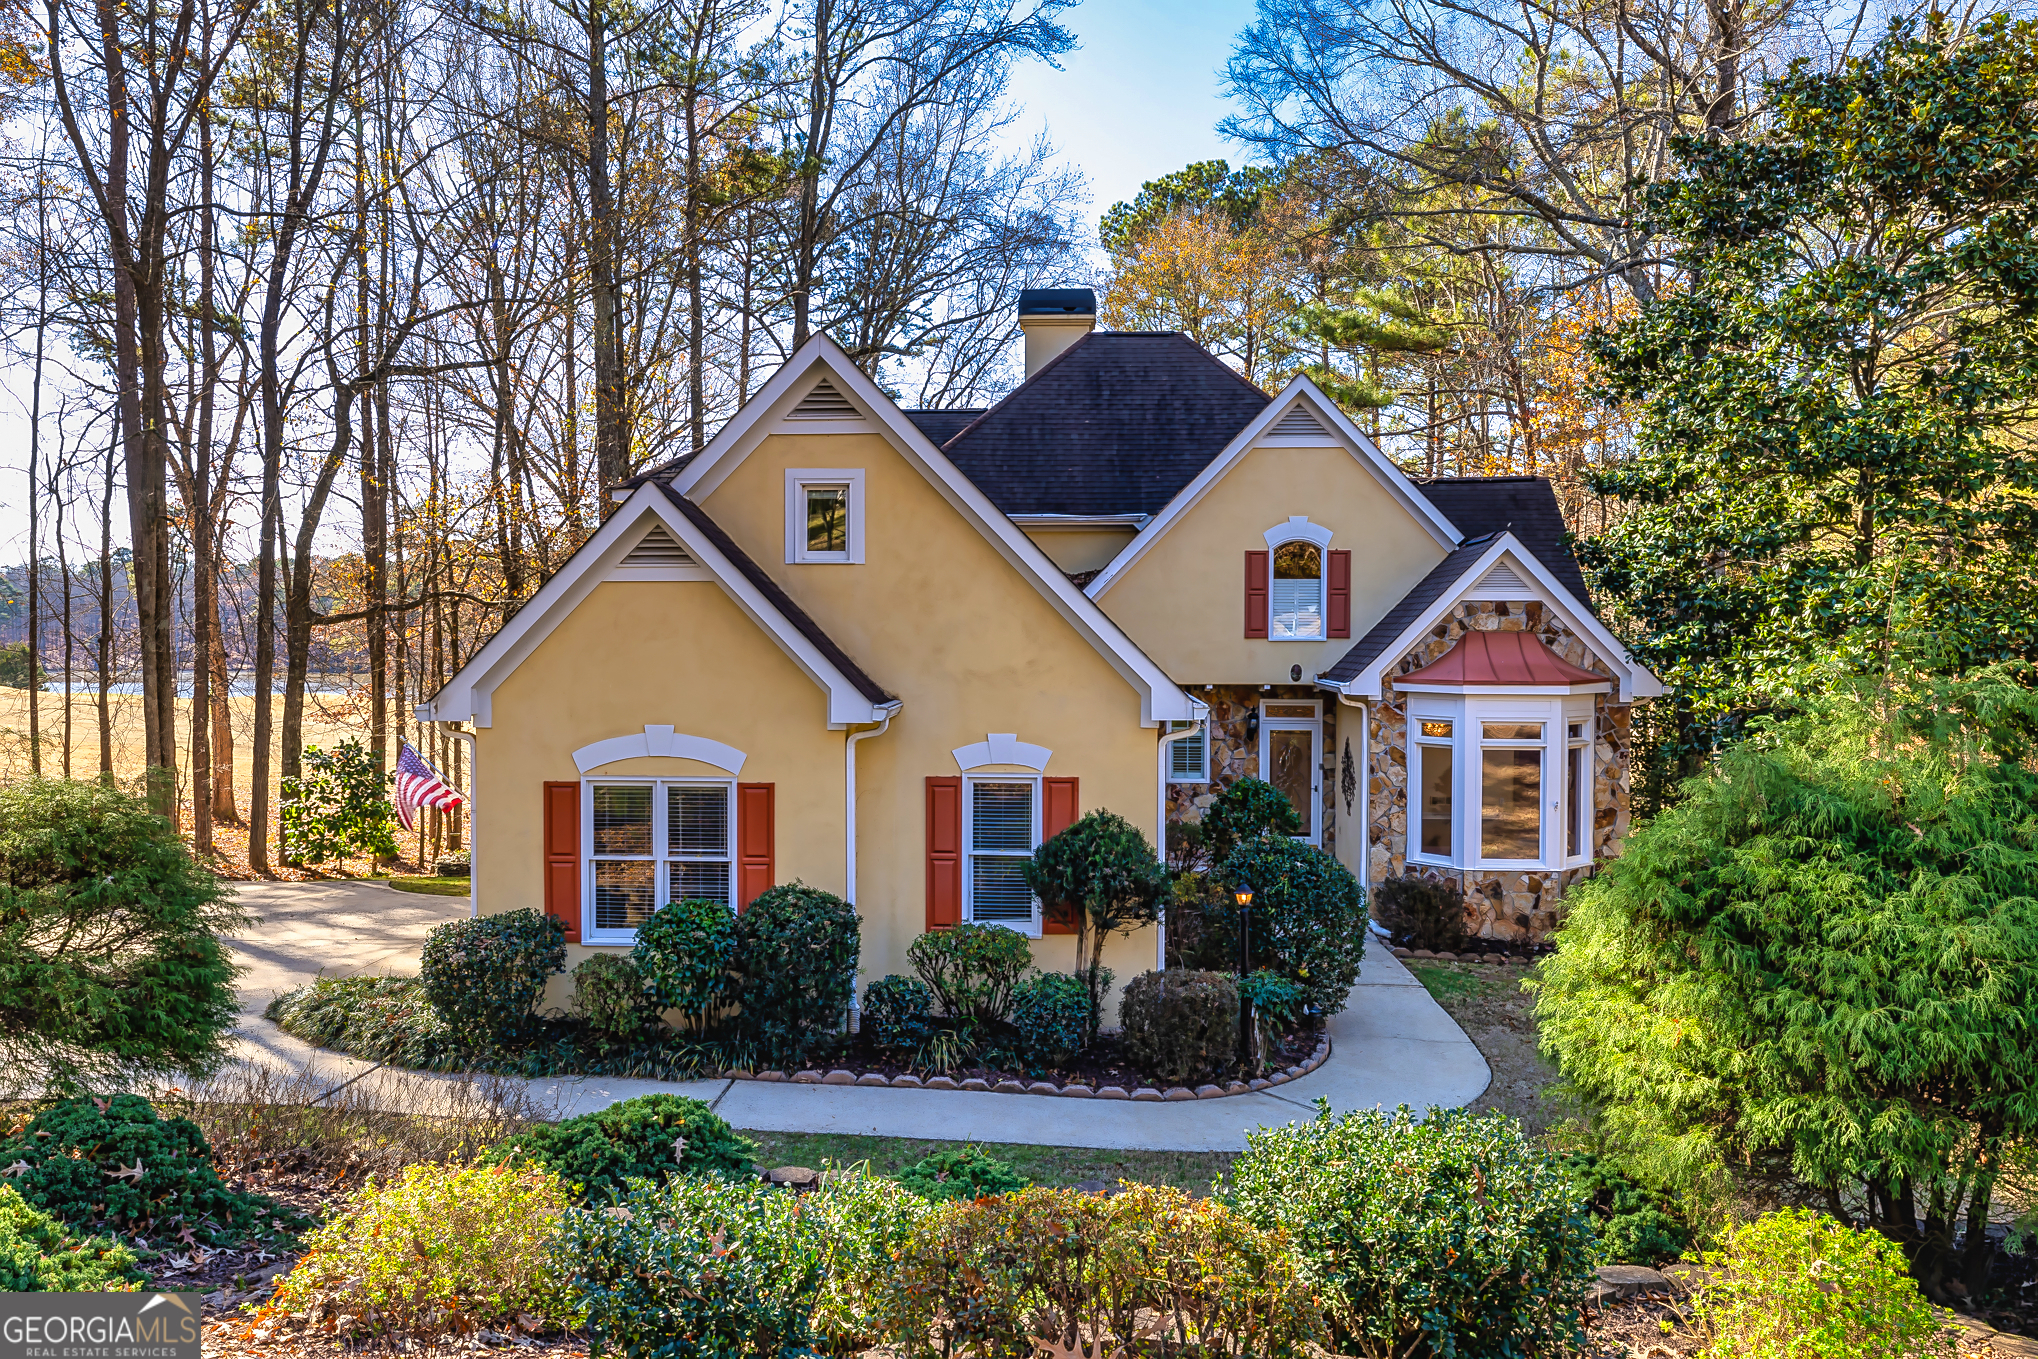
(1184, 600)
(1080, 550)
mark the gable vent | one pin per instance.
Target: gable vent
(1299, 422)
(657, 548)
(1503, 582)
(825, 403)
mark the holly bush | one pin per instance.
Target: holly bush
(796, 950)
(1050, 1019)
(646, 1138)
(338, 807)
(686, 952)
(609, 996)
(484, 976)
(898, 1013)
(1308, 915)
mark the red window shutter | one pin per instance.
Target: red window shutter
(944, 852)
(755, 813)
(1339, 601)
(1059, 809)
(1256, 569)
(562, 855)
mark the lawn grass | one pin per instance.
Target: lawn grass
(1055, 1166)
(435, 887)
(1446, 982)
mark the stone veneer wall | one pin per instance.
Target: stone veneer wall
(1233, 756)
(1503, 905)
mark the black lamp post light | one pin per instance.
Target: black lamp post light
(1243, 895)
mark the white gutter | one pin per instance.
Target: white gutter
(1168, 738)
(473, 838)
(849, 800)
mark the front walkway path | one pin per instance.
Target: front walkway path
(1392, 1045)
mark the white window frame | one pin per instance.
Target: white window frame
(1580, 817)
(797, 480)
(1032, 928)
(659, 857)
(1468, 715)
(1314, 725)
(1298, 529)
(1200, 743)
(1415, 783)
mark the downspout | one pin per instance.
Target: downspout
(849, 800)
(1168, 738)
(473, 822)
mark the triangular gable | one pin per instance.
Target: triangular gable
(853, 697)
(1461, 576)
(1161, 699)
(1301, 417)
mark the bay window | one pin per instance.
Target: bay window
(654, 841)
(1499, 782)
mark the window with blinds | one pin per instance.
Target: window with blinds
(1295, 599)
(1003, 822)
(1189, 758)
(657, 841)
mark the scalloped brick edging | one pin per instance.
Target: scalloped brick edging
(1146, 1094)
(1447, 957)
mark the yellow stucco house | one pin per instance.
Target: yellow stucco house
(887, 652)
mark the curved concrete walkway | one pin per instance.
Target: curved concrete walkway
(1392, 1045)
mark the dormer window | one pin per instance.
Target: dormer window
(1299, 589)
(1295, 604)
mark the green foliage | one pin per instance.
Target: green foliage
(382, 1019)
(796, 950)
(1051, 1016)
(1829, 411)
(1426, 913)
(19, 668)
(1054, 1269)
(441, 1249)
(338, 807)
(971, 969)
(897, 1012)
(1827, 953)
(1797, 1285)
(1247, 810)
(114, 1162)
(1277, 999)
(966, 1172)
(39, 1255)
(1104, 867)
(687, 953)
(701, 1269)
(866, 1222)
(609, 995)
(1633, 1225)
(1451, 1234)
(113, 970)
(1181, 1026)
(1308, 915)
(1208, 183)
(645, 1138)
(484, 976)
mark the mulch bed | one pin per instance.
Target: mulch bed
(1102, 1063)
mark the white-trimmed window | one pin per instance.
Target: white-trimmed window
(1295, 594)
(1436, 786)
(1189, 757)
(1001, 829)
(653, 841)
(1511, 755)
(1500, 782)
(824, 515)
(1578, 794)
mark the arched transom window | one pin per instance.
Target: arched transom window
(1295, 602)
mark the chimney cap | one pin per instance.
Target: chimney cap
(1057, 302)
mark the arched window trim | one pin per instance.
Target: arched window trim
(1290, 602)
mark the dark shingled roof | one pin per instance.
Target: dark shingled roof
(1116, 424)
(1442, 577)
(1523, 506)
(941, 426)
(780, 600)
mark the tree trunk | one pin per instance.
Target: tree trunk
(611, 410)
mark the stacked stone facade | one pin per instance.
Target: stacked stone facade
(1235, 755)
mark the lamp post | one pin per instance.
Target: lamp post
(1243, 895)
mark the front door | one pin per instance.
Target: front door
(1291, 752)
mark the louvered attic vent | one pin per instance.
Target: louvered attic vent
(1299, 423)
(657, 548)
(1503, 581)
(825, 403)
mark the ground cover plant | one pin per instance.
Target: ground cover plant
(965, 1172)
(1056, 1166)
(39, 1254)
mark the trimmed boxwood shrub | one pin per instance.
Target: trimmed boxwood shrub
(646, 1138)
(796, 950)
(686, 951)
(1451, 1234)
(898, 1013)
(1051, 1019)
(39, 1255)
(609, 995)
(971, 969)
(1422, 913)
(1181, 1026)
(1308, 915)
(484, 976)
(967, 1172)
(114, 1163)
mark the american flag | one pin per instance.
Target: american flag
(417, 786)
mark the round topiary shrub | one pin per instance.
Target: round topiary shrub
(484, 976)
(1448, 1234)
(1308, 915)
(971, 969)
(1181, 1026)
(685, 952)
(609, 995)
(898, 1013)
(1051, 1017)
(796, 949)
(649, 1137)
(1422, 913)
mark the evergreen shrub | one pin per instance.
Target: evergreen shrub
(440, 1249)
(1180, 1026)
(1451, 1234)
(796, 950)
(967, 1172)
(686, 952)
(381, 1019)
(898, 1013)
(1051, 1019)
(646, 1138)
(971, 969)
(1103, 869)
(1308, 916)
(1422, 913)
(485, 975)
(609, 995)
(38, 1254)
(1633, 1225)
(115, 1164)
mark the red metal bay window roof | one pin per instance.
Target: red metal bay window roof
(1509, 659)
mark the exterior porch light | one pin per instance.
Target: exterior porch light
(1242, 893)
